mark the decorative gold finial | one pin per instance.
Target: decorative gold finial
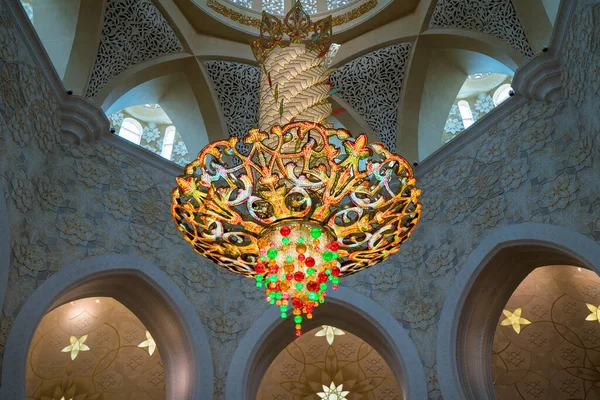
(297, 27)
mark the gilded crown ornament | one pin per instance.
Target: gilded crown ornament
(307, 204)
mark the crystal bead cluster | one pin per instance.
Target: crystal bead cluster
(296, 264)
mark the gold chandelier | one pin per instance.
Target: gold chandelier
(307, 204)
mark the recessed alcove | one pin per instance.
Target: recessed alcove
(327, 362)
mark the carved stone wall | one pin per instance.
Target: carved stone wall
(495, 17)
(133, 31)
(371, 84)
(68, 202)
(236, 86)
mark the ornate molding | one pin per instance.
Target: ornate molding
(82, 119)
(234, 15)
(540, 77)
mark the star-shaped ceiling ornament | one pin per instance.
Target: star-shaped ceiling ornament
(330, 332)
(595, 315)
(76, 346)
(333, 393)
(514, 319)
(150, 343)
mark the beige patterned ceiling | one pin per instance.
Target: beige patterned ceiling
(308, 366)
(556, 355)
(93, 349)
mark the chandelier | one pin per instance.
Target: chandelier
(303, 204)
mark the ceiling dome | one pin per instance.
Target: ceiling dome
(245, 15)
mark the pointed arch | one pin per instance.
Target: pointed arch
(145, 290)
(345, 309)
(484, 284)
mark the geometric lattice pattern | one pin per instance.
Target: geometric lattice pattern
(236, 86)
(494, 17)
(133, 31)
(371, 84)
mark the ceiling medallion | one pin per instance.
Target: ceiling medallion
(307, 204)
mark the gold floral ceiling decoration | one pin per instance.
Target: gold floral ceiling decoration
(307, 204)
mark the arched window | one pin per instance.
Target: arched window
(501, 94)
(465, 113)
(131, 130)
(167, 147)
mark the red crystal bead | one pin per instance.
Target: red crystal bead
(274, 269)
(312, 286)
(259, 268)
(298, 333)
(285, 231)
(335, 271)
(335, 287)
(322, 277)
(272, 285)
(289, 277)
(296, 302)
(334, 246)
(299, 276)
(301, 257)
(310, 262)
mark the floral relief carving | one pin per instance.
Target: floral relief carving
(133, 31)
(494, 17)
(371, 84)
